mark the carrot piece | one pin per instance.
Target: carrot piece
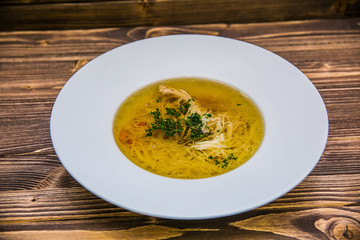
(125, 137)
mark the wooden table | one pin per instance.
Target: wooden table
(40, 200)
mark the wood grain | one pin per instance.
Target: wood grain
(42, 14)
(40, 200)
(340, 227)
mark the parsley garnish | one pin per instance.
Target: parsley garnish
(207, 115)
(232, 157)
(195, 124)
(184, 107)
(172, 112)
(171, 125)
(224, 161)
(194, 120)
(167, 126)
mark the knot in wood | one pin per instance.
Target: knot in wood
(339, 228)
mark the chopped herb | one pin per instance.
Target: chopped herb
(168, 126)
(207, 115)
(172, 112)
(217, 162)
(239, 104)
(171, 125)
(184, 107)
(224, 161)
(159, 100)
(194, 120)
(157, 114)
(232, 157)
(195, 124)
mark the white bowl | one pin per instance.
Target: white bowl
(294, 113)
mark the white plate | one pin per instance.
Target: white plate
(295, 118)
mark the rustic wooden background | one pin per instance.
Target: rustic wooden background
(76, 14)
(40, 200)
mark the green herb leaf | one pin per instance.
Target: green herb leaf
(195, 124)
(168, 126)
(173, 124)
(172, 112)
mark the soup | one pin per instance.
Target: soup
(188, 128)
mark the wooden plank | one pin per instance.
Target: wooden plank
(329, 224)
(28, 2)
(341, 156)
(72, 15)
(69, 209)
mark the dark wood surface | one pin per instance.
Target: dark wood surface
(76, 14)
(40, 200)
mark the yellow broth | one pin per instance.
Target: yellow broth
(235, 119)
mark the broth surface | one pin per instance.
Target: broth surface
(213, 132)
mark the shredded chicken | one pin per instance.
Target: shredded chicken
(178, 93)
(217, 122)
(215, 143)
(181, 94)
